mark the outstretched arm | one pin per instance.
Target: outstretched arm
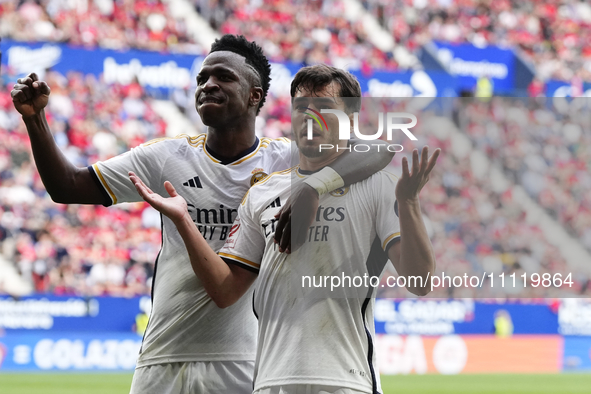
(224, 283)
(64, 182)
(413, 255)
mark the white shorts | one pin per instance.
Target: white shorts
(307, 389)
(202, 377)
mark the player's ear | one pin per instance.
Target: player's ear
(256, 95)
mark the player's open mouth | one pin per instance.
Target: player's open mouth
(210, 100)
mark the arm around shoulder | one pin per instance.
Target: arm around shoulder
(356, 165)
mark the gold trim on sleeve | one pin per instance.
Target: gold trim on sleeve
(390, 238)
(105, 185)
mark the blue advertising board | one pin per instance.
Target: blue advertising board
(69, 351)
(156, 71)
(555, 88)
(461, 316)
(53, 333)
(467, 63)
(407, 84)
(59, 313)
(161, 72)
(577, 354)
(570, 317)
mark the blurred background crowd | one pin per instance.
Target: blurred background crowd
(553, 35)
(77, 249)
(476, 224)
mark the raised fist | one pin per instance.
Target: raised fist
(30, 95)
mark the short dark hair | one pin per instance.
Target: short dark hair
(252, 53)
(317, 77)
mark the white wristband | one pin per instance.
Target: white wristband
(325, 180)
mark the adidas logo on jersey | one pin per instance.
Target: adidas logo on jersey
(195, 182)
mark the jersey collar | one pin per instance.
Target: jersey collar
(240, 157)
(299, 171)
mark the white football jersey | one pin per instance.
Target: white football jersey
(185, 324)
(308, 332)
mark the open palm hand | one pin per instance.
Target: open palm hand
(174, 207)
(410, 184)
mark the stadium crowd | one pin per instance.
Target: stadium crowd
(477, 227)
(91, 250)
(543, 150)
(553, 35)
(82, 250)
(302, 31)
(115, 24)
(476, 223)
(319, 33)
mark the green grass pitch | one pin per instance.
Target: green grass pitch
(99, 383)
